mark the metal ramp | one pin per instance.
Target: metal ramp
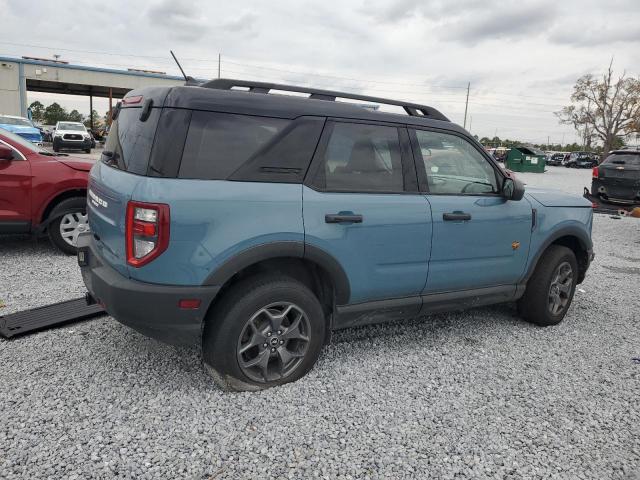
(20, 323)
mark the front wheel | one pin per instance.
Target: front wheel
(550, 289)
(267, 330)
(70, 220)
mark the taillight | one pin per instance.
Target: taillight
(146, 232)
(595, 173)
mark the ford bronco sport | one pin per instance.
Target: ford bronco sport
(253, 223)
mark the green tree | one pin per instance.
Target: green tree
(55, 113)
(97, 121)
(604, 108)
(75, 116)
(37, 111)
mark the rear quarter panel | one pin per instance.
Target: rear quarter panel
(212, 221)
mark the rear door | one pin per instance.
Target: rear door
(480, 239)
(361, 205)
(15, 193)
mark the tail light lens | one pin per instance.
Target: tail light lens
(146, 232)
(595, 173)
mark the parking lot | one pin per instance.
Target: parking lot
(479, 394)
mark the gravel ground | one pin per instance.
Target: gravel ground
(478, 394)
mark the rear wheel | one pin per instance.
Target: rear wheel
(70, 221)
(265, 331)
(550, 290)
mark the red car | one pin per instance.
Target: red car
(42, 192)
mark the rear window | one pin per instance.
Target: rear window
(219, 143)
(624, 159)
(129, 143)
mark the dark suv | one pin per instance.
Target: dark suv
(617, 179)
(254, 223)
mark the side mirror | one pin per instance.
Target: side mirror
(512, 189)
(6, 153)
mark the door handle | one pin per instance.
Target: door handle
(456, 216)
(342, 218)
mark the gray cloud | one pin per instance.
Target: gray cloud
(182, 19)
(596, 36)
(245, 22)
(505, 22)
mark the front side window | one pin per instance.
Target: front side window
(453, 166)
(361, 158)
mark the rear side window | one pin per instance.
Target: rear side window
(624, 159)
(361, 158)
(219, 143)
(129, 143)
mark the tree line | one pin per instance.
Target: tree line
(554, 147)
(55, 112)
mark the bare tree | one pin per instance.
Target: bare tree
(604, 107)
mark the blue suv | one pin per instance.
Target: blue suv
(251, 223)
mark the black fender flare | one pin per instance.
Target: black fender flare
(284, 249)
(569, 231)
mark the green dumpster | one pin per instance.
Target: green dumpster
(525, 159)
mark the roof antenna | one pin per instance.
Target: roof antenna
(188, 80)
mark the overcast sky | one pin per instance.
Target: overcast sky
(521, 57)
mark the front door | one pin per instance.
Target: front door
(480, 239)
(15, 193)
(361, 205)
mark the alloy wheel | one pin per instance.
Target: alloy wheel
(273, 342)
(560, 288)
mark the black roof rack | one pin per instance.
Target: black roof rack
(412, 109)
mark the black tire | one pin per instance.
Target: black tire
(56, 147)
(227, 322)
(74, 204)
(87, 150)
(534, 306)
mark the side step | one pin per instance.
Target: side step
(27, 321)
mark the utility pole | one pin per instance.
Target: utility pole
(219, 61)
(470, 122)
(548, 142)
(466, 105)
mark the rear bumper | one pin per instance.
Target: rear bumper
(148, 308)
(621, 194)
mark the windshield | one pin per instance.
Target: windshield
(23, 142)
(15, 121)
(71, 126)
